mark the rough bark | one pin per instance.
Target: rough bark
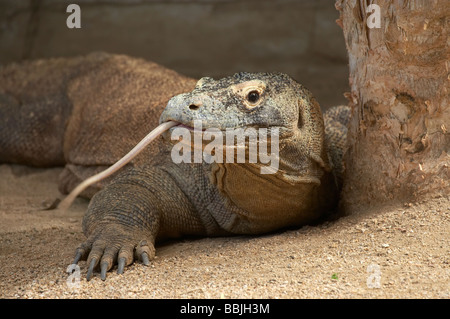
(399, 134)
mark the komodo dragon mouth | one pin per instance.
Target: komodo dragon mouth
(249, 137)
(190, 128)
(203, 129)
(283, 130)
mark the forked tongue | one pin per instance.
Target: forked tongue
(65, 204)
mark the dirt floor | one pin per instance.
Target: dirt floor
(396, 252)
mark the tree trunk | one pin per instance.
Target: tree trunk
(399, 135)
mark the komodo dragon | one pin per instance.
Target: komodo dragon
(87, 112)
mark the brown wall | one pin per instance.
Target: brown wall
(195, 37)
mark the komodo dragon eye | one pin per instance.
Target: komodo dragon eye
(253, 96)
(251, 93)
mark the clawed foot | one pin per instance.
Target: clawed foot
(106, 250)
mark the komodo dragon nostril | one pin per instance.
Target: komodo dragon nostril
(194, 107)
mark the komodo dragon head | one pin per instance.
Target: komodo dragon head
(258, 100)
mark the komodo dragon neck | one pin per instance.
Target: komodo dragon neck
(292, 196)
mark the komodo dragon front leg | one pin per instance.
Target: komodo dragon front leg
(125, 218)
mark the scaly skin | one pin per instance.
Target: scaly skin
(155, 198)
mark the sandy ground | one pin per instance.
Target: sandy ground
(394, 252)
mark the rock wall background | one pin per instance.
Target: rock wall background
(195, 37)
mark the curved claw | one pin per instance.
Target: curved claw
(103, 270)
(78, 256)
(91, 268)
(121, 265)
(145, 259)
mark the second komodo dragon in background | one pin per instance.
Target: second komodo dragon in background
(87, 112)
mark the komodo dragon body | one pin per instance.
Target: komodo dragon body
(87, 112)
